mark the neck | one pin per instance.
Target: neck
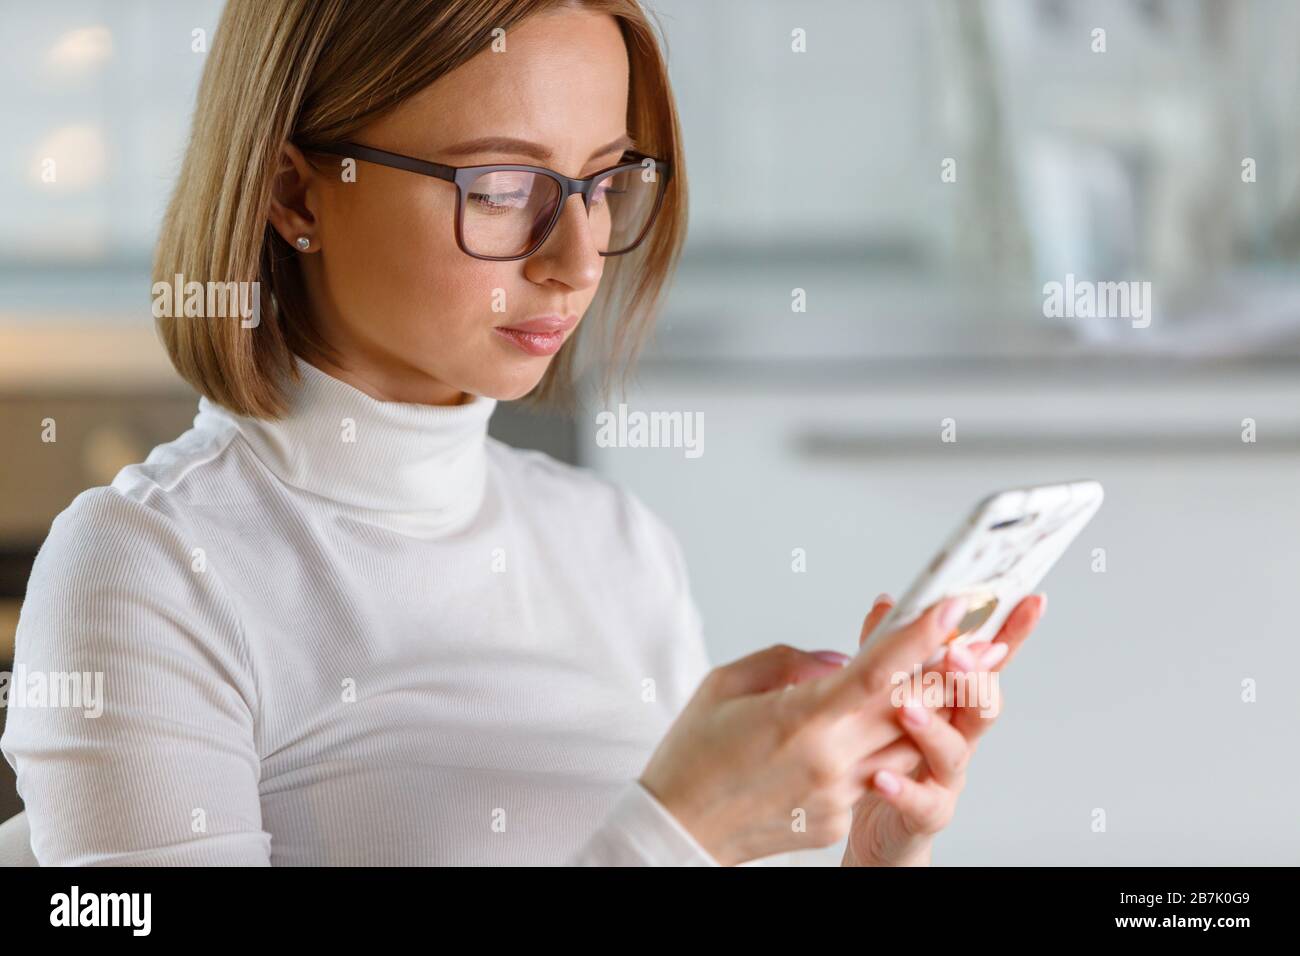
(415, 468)
(408, 385)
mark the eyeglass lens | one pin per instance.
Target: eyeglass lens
(506, 211)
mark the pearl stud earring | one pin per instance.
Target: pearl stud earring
(304, 243)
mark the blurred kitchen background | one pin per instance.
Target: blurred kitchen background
(818, 133)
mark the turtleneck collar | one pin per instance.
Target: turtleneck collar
(418, 469)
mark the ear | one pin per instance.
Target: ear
(291, 199)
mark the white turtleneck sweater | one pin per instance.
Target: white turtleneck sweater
(367, 633)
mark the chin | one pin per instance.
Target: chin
(508, 388)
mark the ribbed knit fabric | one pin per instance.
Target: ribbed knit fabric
(368, 633)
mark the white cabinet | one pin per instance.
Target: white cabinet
(1128, 699)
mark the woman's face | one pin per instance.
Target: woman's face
(388, 285)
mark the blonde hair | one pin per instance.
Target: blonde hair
(317, 71)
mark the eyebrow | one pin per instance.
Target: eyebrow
(522, 147)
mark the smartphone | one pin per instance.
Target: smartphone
(997, 557)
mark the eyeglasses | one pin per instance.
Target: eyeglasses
(505, 212)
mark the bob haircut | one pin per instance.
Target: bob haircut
(317, 71)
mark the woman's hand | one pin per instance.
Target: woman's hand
(774, 750)
(895, 823)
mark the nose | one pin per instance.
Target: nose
(569, 254)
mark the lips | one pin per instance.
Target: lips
(538, 336)
(544, 323)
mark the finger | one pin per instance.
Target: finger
(985, 654)
(976, 718)
(874, 668)
(901, 757)
(874, 730)
(909, 646)
(1020, 623)
(773, 668)
(945, 749)
(971, 682)
(879, 609)
(925, 807)
(992, 656)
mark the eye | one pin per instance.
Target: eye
(610, 186)
(499, 202)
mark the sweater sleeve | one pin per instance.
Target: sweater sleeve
(640, 831)
(689, 650)
(154, 761)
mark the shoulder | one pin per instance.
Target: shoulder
(118, 588)
(180, 469)
(109, 553)
(105, 526)
(146, 506)
(125, 557)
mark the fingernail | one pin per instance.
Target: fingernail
(831, 657)
(994, 654)
(951, 612)
(1042, 603)
(886, 782)
(881, 598)
(915, 714)
(961, 659)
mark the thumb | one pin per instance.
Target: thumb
(901, 651)
(773, 668)
(883, 605)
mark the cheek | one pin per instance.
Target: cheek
(394, 267)
(454, 296)
(395, 231)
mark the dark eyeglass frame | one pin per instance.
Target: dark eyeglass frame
(464, 176)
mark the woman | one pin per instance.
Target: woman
(340, 624)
